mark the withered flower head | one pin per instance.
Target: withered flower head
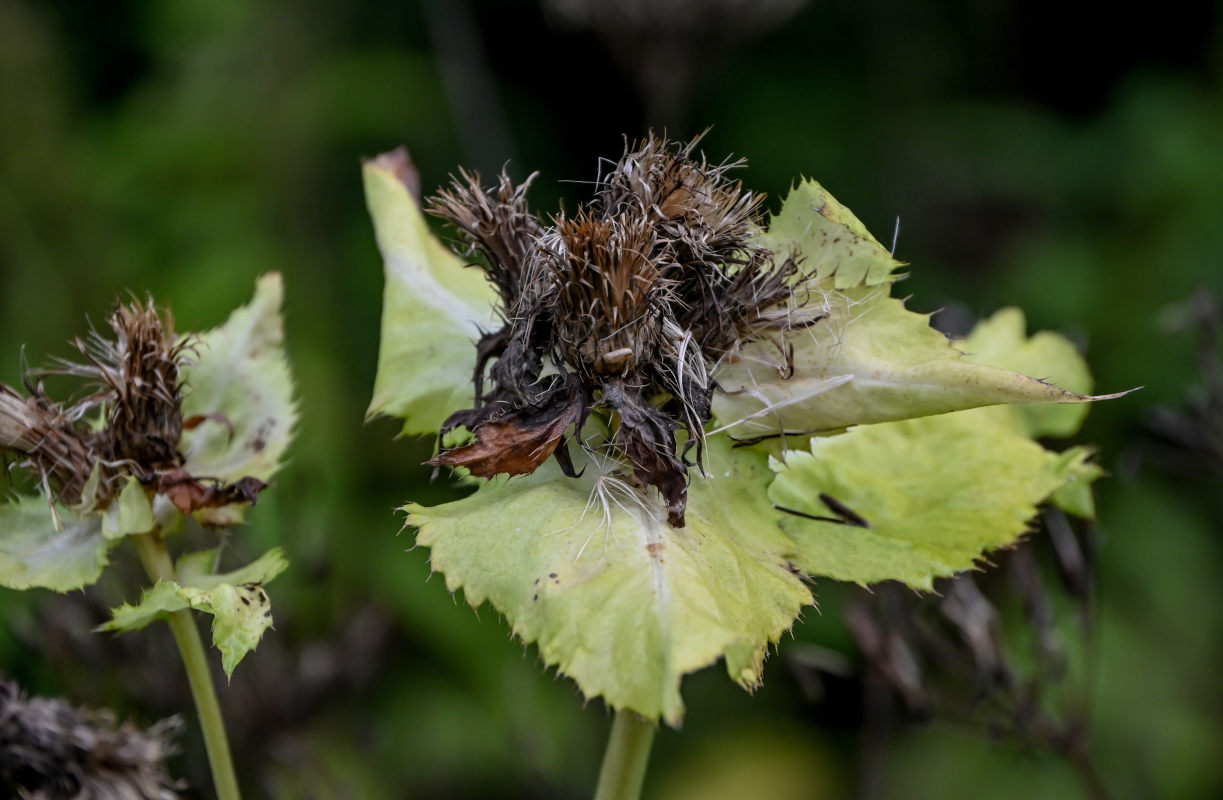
(624, 308)
(128, 424)
(50, 750)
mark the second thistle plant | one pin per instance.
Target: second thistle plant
(165, 428)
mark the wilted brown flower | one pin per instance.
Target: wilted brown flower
(128, 424)
(625, 307)
(50, 750)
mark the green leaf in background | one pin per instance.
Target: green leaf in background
(937, 492)
(615, 597)
(433, 309)
(240, 607)
(34, 554)
(1001, 341)
(1076, 496)
(240, 385)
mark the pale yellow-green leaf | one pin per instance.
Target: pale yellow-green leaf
(196, 569)
(130, 512)
(1002, 341)
(34, 554)
(236, 600)
(871, 360)
(240, 382)
(615, 597)
(240, 615)
(156, 602)
(937, 493)
(434, 309)
(830, 242)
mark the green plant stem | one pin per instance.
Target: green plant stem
(624, 762)
(157, 563)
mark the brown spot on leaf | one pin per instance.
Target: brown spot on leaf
(399, 163)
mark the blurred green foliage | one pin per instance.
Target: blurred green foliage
(183, 148)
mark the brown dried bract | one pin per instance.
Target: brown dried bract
(515, 444)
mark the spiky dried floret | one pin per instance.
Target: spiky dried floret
(135, 377)
(50, 750)
(627, 307)
(707, 218)
(46, 439)
(128, 424)
(610, 298)
(496, 223)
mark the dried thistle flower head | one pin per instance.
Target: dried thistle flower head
(50, 750)
(127, 425)
(624, 308)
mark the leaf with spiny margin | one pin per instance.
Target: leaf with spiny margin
(615, 597)
(240, 607)
(34, 554)
(937, 493)
(240, 383)
(870, 360)
(1001, 341)
(433, 309)
(834, 248)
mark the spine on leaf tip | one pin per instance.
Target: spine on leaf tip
(624, 309)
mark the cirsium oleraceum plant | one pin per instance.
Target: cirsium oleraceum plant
(677, 412)
(154, 430)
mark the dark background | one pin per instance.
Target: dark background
(1068, 160)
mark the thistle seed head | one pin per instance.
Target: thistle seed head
(623, 309)
(128, 423)
(50, 750)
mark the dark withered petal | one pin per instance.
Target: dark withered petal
(190, 494)
(647, 438)
(517, 443)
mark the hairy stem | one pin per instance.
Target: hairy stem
(624, 762)
(157, 563)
